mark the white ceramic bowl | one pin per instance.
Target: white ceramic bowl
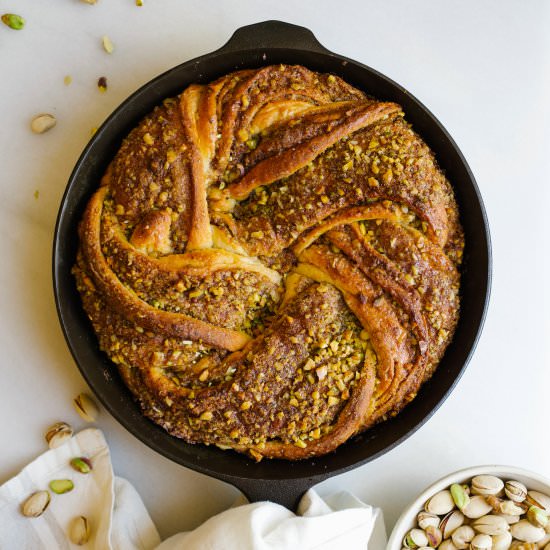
(407, 520)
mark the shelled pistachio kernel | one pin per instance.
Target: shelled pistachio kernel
(57, 434)
(13, 21)
(79, 530)
(86, 407)
(82, 464)
(61, 486)
(36, 504)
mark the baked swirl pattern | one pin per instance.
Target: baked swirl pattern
(271, 261)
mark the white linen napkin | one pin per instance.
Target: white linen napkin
(119, 520)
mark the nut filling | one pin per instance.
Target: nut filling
(271, 260)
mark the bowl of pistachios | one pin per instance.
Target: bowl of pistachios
(479, 508)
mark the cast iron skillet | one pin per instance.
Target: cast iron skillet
(279, 481)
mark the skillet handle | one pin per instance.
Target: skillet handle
(286, 492)
(273, 34)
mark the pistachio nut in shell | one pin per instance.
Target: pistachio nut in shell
(452, 521)
(518, 545)
(86, 407)
(515, 490)
(425, 519)
(544, 541)
(510, 508)
(477, 507)
(525, 531)
(481, 542)
(79, 530)
(510, 519)
(415, 538)
(486, 485)
(434, 536)
(491, 525)
(537, 517)
(36, 504)
(440, 504)
(57, 434)
(535, 498)
(463, 536)
(502, 542)
(447, 545)
(460, 496)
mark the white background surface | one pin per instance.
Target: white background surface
(483, 68)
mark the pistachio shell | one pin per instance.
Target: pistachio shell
(463, 536)
(477, 507)
(540, 499)
(415, 538)
(510, 519)
(537, 517)
(519, 545)
(434, 536)
(86, 407)
(486, 485)
(441, 503)
(481, 542)
(544, 541)
(57, 434)
(502, 542)
(515, 490)
(36, 504)
(447, 545)
(425, 519)
(79, 531)
(491, 525)
(525, 531)
(453, 520)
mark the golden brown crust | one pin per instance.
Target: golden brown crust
(272, 262)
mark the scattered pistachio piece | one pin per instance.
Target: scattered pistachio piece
(107, 44)
(58, 434)
(89, 1)
(60, 486)
(139, 3)
(93, 131)
(13, 21)
(82, 464)
(42, 123)
(68, 80)
(35, 505)
(79, 531)
(36, 194)
(86, 407)
(102, 83)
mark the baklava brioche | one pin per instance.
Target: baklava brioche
(271, 260)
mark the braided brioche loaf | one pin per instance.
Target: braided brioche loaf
(271, 261)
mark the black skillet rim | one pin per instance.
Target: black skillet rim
(226, 465)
